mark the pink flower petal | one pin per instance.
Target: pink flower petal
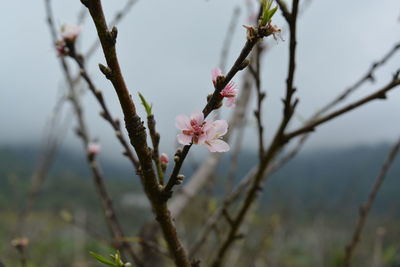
(202, 139)
(182, 122)
(184, 139)
(218, 129)
(198, 117)
(217, 145)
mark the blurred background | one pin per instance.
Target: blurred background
(167, 50)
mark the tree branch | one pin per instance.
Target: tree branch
(365, 208)
(136, 131)
(254, 35)
(380, 94)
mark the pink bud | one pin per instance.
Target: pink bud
(93, 148)
(164, 158)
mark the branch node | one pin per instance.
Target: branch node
(103, 114)
(244, 64)
(179, 179)
(106, 71)
(85, 3)
(113, 35)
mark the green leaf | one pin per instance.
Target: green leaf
(272, 12)
(146, 105)
(267, 12)
(102, 259)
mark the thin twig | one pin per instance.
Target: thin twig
(53, 138)
(117, 19)
(285, 11)
(226, 45)
(155, 140)
(213, 219)
(380, 94)
(256, 72)
(106, 114)
(366, 207)
(369, 76)
(274, 148)
(216, 98)
(341, 97)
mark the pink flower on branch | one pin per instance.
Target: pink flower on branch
(213, 142)
(195, 130)
(229, 92)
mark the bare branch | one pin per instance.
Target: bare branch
(369, 76)
(285, 11)
(275, 147)
(115, 21)
(213, 103)
(115, 124)
(380, 94)
(366, 207)
(228, 38)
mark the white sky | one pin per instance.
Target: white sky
(168, 48)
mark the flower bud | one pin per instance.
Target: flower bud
(164, 158)
(93, 148)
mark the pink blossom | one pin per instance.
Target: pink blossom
(197, 131)
(214, 133)
(70, 32)
(93, 148)
(164, 158)
(230, 91)
(193, 129)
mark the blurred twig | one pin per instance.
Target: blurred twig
(340, 98)
(228, 38)
(105, 113)
(368, 76)
(82, 132)
(366, 207)
(380, 94)
(118, 17)
(256, 72)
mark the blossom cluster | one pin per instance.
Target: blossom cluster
(196, 130)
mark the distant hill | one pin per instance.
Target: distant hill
(322, 181)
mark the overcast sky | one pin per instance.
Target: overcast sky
(168, 48)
